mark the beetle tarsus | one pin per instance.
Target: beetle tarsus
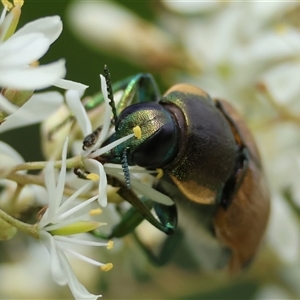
(90, 139)
(81, 174)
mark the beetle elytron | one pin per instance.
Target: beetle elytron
(212, 168)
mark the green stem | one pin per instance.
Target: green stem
(26, 228)
(74, 162)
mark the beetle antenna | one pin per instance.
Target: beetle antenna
(110, 95)
(125, 168)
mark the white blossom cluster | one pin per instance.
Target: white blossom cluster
(63, 218)
(245, 52)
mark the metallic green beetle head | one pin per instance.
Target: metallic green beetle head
(159, 138)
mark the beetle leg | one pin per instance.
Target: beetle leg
(140, 88)
(234, 181)
(91, 139)
(166, 220)
(130, 220)
(81, 174)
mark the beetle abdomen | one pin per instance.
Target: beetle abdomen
(242, 226)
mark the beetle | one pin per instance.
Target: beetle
(212, 168)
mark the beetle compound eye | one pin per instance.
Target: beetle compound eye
(158, 149)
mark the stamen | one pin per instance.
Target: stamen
(7, 4)
(19, 3)
(82, 257)
(77, 208)
(93, 176)
(160, 173)
(95, 212)
(73, 240)
(110, 245)
(110, 146)
(65, 206)
(137, 132)
(106, 267)
(34, 64)
(2, 17)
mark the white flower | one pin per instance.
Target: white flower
(9, 159)
(62, 219)
(94, 166)
(35, 110)
(17, 55)
(25, 47)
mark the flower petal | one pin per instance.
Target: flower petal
(150, 192)
(62, 174)
(78, 290)
(70, 85)
(67, 204)
(107, 117)
(5, 23)
(110, 146)
(23, 51)
(76, 208)
(52, 199)
(51, 27)
(8, 150)
(57, 268)
(143, 189)
(74, 102)
(33, 78)
(108, 112)
(35, 110)
(71, 240)
(96, 167)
